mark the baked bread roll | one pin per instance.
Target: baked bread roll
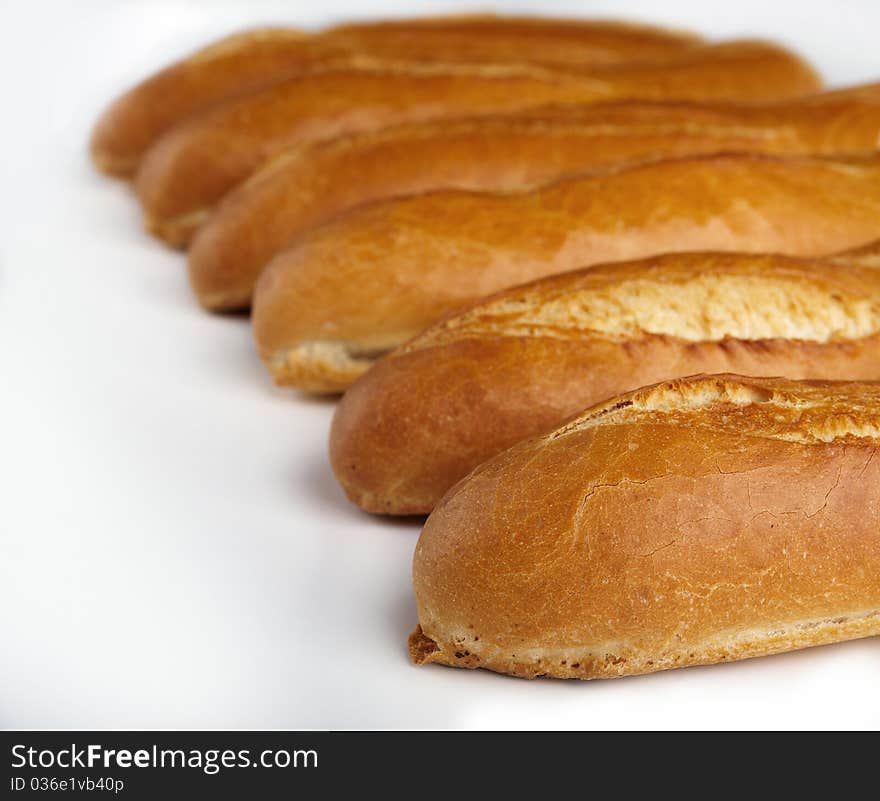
(516, 364)
(357, 287)
(310, 185)
(254, 59)
(702, 520)
(192, 166)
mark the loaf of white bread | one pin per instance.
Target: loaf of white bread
(357, 287)
(695, 521)
(518, 363)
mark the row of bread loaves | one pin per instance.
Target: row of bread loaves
(551, 264)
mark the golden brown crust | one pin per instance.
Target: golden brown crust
(489, 38)
(378, 276)
(689, 523)
(254, 59)
(518, 363)
(194, 165)
(310, 185)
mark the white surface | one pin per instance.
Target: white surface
(174, 551)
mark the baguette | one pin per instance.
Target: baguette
(191, 167)
(252, 60)
(517, 364)
(325, 309)
(310, 185)
(698, 521)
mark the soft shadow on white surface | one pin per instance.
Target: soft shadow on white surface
(174, 551)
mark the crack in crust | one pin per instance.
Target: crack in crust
(321, 367)
(695, 297)
(772, 408)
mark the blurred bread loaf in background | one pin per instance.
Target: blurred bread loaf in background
(252, 60)
(189, 169)
(309, 185)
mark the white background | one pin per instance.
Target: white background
(174, 551)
